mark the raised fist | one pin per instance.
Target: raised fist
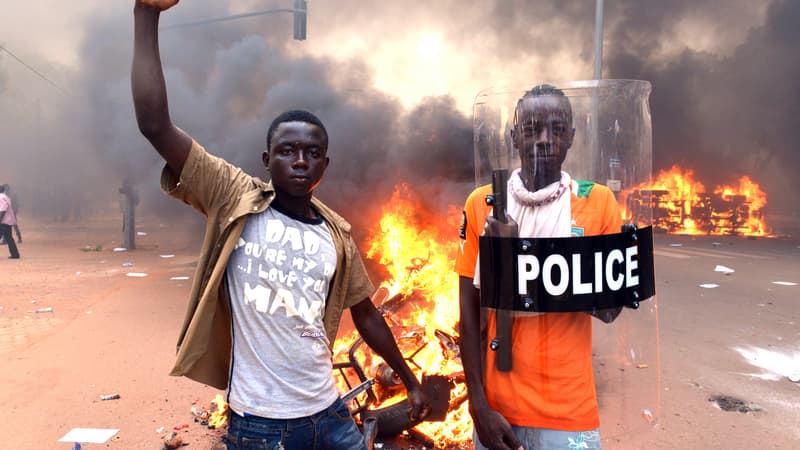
(160, 5)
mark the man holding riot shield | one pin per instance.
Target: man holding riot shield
(528, 360)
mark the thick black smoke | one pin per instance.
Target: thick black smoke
(225, 87)
(735, 103)
(723, 115)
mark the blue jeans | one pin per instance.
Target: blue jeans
(547, 439)
(333, 428)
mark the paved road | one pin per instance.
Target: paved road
(739, 339)
(110, 333)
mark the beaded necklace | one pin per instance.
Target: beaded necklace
(541, 197)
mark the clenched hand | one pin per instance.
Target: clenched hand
(420, 408)
(160, 5)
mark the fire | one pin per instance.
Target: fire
(420, 302)
(219, 412)
(681, 205)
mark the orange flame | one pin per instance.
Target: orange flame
(681, 205)
(418, 253)
(219, 412)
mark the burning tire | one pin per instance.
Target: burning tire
(392, 420)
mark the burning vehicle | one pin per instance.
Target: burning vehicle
(681, 205)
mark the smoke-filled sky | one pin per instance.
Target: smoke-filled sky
(394, 83)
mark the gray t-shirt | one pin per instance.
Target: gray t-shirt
(278, 279)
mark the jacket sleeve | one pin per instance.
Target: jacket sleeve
(360, 286)
(207, 182)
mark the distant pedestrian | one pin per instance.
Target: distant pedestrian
(15, 202)
(7, 220)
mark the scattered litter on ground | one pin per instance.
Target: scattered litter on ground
(728, 403)
(179, 278)
(136, 274)
(141, 233)
(716, 244)
(127, 264)
(91, 248)
(174, 441)
(89, 435)
(648, 415)
(709, 285)
(642, 366)
(200, 415)
(49, 309)
(676, 245)
(723, 269)
(784, 283)
(214, 417)
(109, 397)
(120, 249)
(160, 430)
(167, 256)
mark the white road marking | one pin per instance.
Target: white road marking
(689, 253)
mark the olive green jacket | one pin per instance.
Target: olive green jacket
(226, 196)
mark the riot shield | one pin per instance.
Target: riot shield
(554, 159)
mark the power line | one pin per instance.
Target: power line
(52, 83)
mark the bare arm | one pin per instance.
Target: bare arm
(370, 324)
(493, 429)
(149, 88)
(470, 331)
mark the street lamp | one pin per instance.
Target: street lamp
(300, 12)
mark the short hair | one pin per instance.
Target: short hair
(295, 115)
(3, 187)
(540, 91)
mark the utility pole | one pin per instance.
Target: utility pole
(598, 40)
(127, 202)
(594, 124)
(300, 13)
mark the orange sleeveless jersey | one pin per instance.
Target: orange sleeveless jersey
(551, 384)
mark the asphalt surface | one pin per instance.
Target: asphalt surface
(729, 332)
(738, 343)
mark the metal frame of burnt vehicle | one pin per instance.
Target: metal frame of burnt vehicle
(376, 396)
(712, 212)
